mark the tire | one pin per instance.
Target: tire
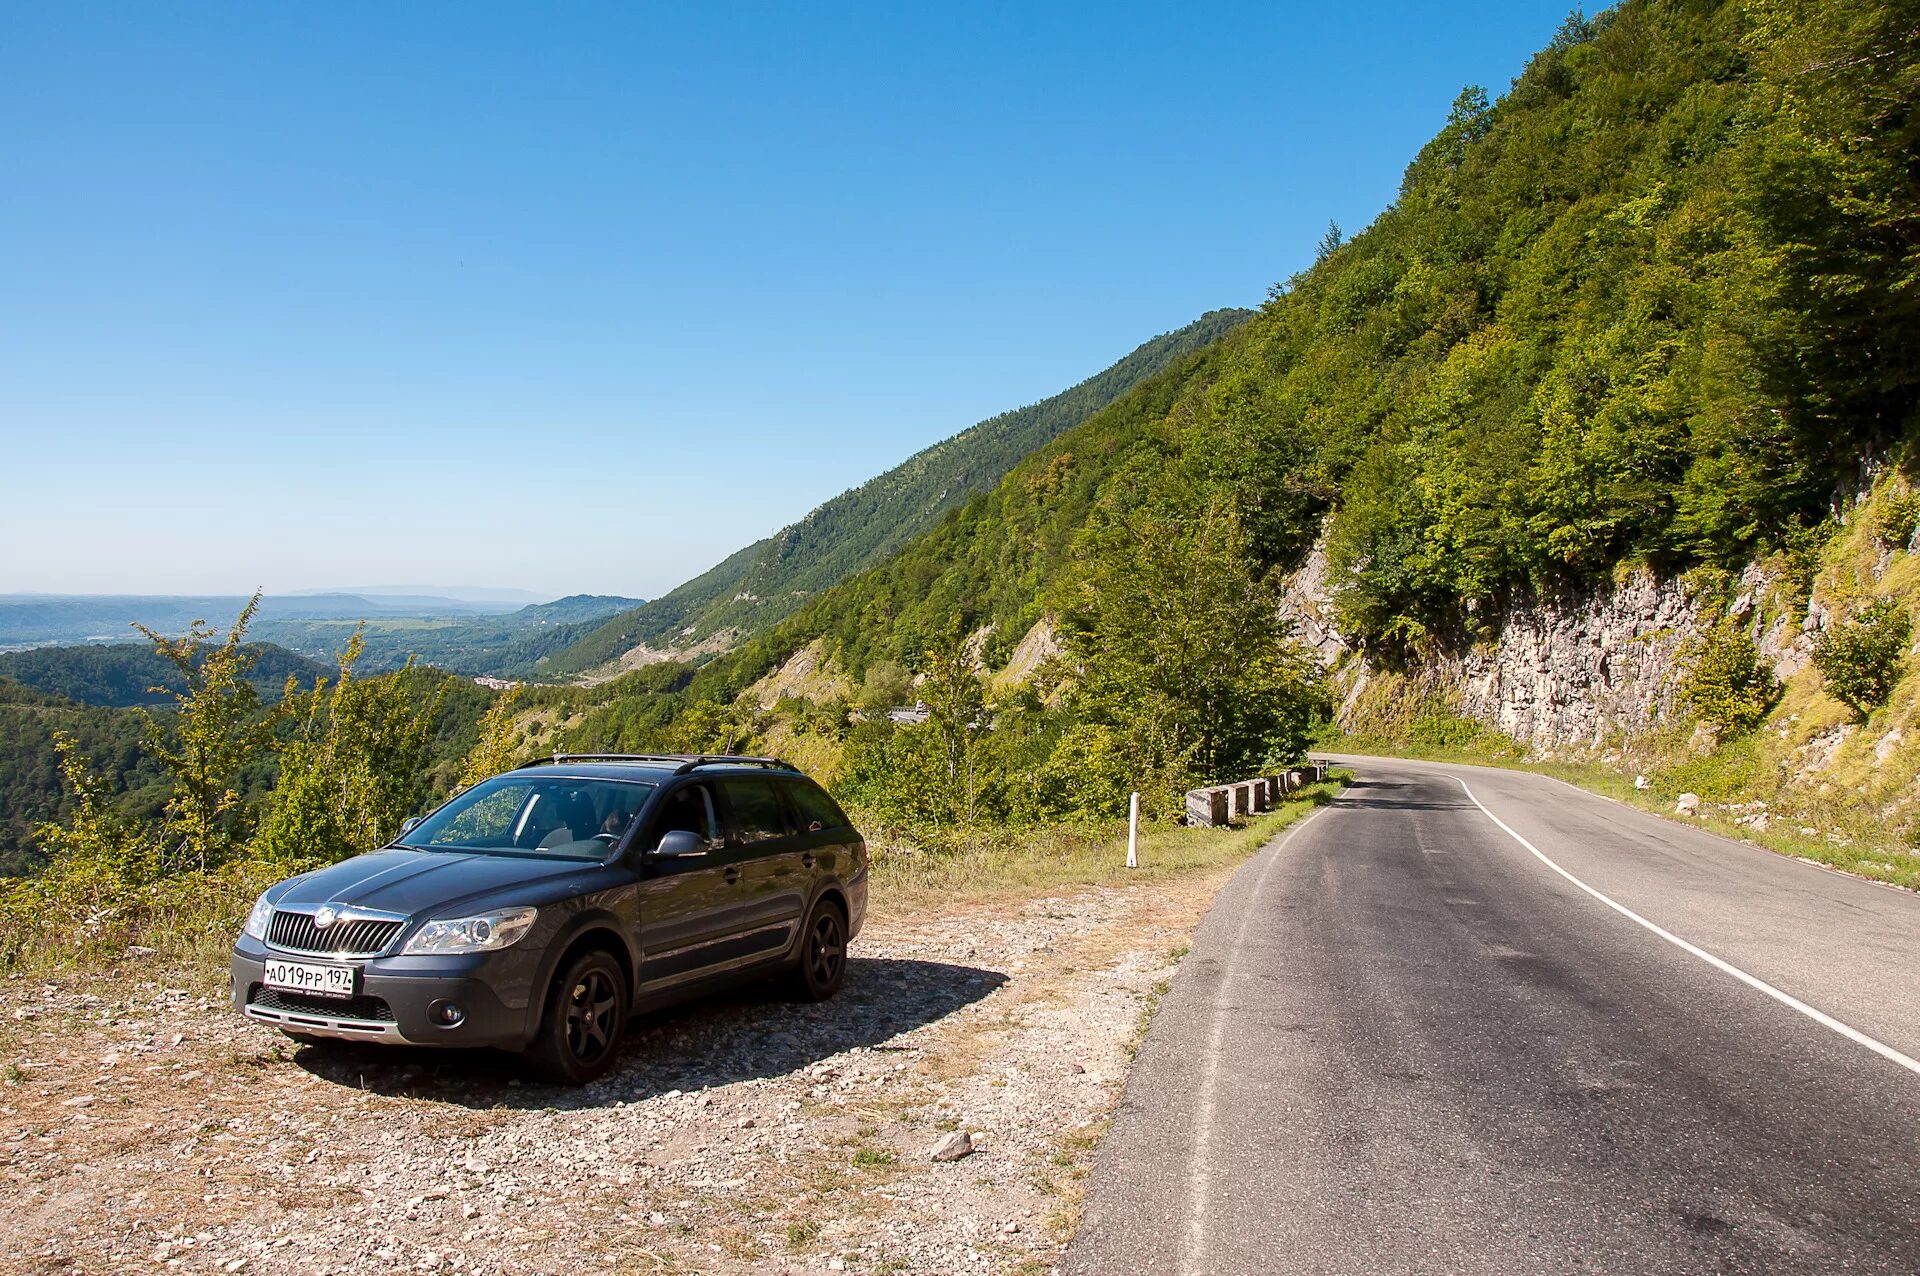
(823, 953)
(584, 1022)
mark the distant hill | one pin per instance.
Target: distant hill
(119, 675)
(770, 579)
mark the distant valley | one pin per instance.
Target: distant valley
(465, 636)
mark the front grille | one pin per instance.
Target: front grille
(348, 937)
(372, 1009)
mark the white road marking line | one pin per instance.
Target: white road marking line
(1820, 1017)
(1200, 1181)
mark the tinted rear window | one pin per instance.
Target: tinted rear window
(817, 811)
(755, 811)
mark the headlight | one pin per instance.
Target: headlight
(258, 918)
(473, 934)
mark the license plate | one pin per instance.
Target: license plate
(299, 976)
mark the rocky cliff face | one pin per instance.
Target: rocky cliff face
(1573, 672)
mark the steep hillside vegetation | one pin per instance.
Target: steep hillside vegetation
(1652, 307)
(770, 579)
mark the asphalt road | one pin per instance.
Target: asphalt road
(1404, 1042)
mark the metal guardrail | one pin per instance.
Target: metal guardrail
(1224, 805)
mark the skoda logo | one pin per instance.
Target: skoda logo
(325, 916)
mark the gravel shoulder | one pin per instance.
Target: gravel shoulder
(143, 1127)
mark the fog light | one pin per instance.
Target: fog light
(446, 1014)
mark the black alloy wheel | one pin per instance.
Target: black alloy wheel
(585, 1021)
(823, 952)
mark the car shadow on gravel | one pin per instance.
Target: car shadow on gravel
(755, 1031)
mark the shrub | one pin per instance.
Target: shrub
(1723, 680)
(1437, 729)
(1895, 519)
(1861, 657)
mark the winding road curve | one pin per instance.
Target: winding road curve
(1469, 1020)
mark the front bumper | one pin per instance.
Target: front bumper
(397, 1001)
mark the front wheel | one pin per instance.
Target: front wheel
(585, 1019)
(823, 953)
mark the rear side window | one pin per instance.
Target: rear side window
(817, 811)
(755, 810)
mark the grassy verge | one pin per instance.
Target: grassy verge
(1855, 848)
(1005, 862)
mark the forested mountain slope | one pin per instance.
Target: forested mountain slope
(1654, 305)
(770, 579)
(116, 675)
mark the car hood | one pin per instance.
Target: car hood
(409, 882)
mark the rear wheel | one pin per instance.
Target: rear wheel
(585, 1019)
(823, 953)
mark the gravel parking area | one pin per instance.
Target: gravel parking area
(143, 1127)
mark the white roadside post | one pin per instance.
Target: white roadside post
(1133, 831)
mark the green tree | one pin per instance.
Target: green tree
(1862, 657)
(1723, 681)
(355, 768)
(1176, 641)
(955, 697)
(498, 745)
(716, 726)
(888, 685)
(216, 731)
(96, 859)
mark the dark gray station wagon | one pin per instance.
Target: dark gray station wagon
(539, 909)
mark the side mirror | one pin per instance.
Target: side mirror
(678, 844)
(410, 825)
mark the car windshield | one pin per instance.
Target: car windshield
(533, 815)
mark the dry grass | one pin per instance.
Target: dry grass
(1026, 863)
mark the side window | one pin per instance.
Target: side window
(755, 811)
(817, 811)
(691, 809)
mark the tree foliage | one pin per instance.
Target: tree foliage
(354, 768)
(1863, 657)
(498, 747)
(217, 730)
(1177, 648)
(1723, 681)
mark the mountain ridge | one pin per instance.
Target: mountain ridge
(761, 584)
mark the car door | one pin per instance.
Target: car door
(773, 885)
(821, 832)
(688, 904)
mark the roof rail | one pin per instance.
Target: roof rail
(682, 762)
(559, 759)
(733, 759)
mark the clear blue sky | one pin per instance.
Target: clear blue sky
(583, 297)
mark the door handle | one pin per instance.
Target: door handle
(733, 875)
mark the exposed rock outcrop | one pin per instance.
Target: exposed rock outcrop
(1566, 672)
